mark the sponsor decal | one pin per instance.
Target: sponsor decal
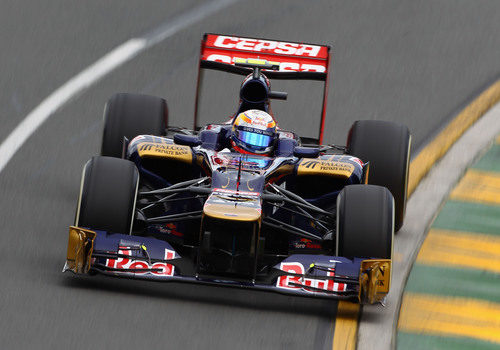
(254, 129)
(383, 279)
(267, 46)
(248, 162)
(175, 150)
(305, 243)
(163, 269)
(299, 245)
(260, 121)
(284, 65)
(169, 228)
(241, 193)
(311, 164)
(325, 166)
(289, 56)
(289, 282)
(165, 150)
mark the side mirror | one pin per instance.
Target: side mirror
(306, 152)
(187, 140)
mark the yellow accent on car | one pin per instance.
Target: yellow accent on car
(80, 247)
(374, 280)
(232, 212)
(315, 166)
(255, 61)
(165, 150)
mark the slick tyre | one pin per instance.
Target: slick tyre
(386, 145)
(129, 115)
(365, 222)
(107, 195)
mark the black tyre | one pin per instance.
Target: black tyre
(386, 145)
(129, 115)
(107, 195)
(365, 222)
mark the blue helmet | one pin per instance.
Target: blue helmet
(253, 132)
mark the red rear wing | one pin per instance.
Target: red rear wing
(296, 61)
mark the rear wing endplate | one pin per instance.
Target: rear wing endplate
(297, 61)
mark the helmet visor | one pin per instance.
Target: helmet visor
(253, 139)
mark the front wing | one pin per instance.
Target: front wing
(324, 276)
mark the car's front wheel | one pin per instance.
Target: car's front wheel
(107, 195)
(365, 222)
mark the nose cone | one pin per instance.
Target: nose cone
(233, 211)
(233, 206)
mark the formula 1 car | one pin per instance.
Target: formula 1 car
(173, 204)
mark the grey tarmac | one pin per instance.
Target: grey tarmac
(415, 62)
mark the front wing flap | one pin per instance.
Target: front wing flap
(299, 274)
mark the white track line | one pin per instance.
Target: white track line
(92, 74)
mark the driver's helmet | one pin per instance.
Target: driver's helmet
(253, 132)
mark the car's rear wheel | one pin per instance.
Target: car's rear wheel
(107, 195)
(365, 222)
(128, 115)
(386, 145)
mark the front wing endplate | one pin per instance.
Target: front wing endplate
(80, 247)
(374, 280)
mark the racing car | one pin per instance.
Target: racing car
(290, 214)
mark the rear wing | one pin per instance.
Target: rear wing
(297, 61)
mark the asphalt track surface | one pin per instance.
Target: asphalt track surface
(415, 62)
